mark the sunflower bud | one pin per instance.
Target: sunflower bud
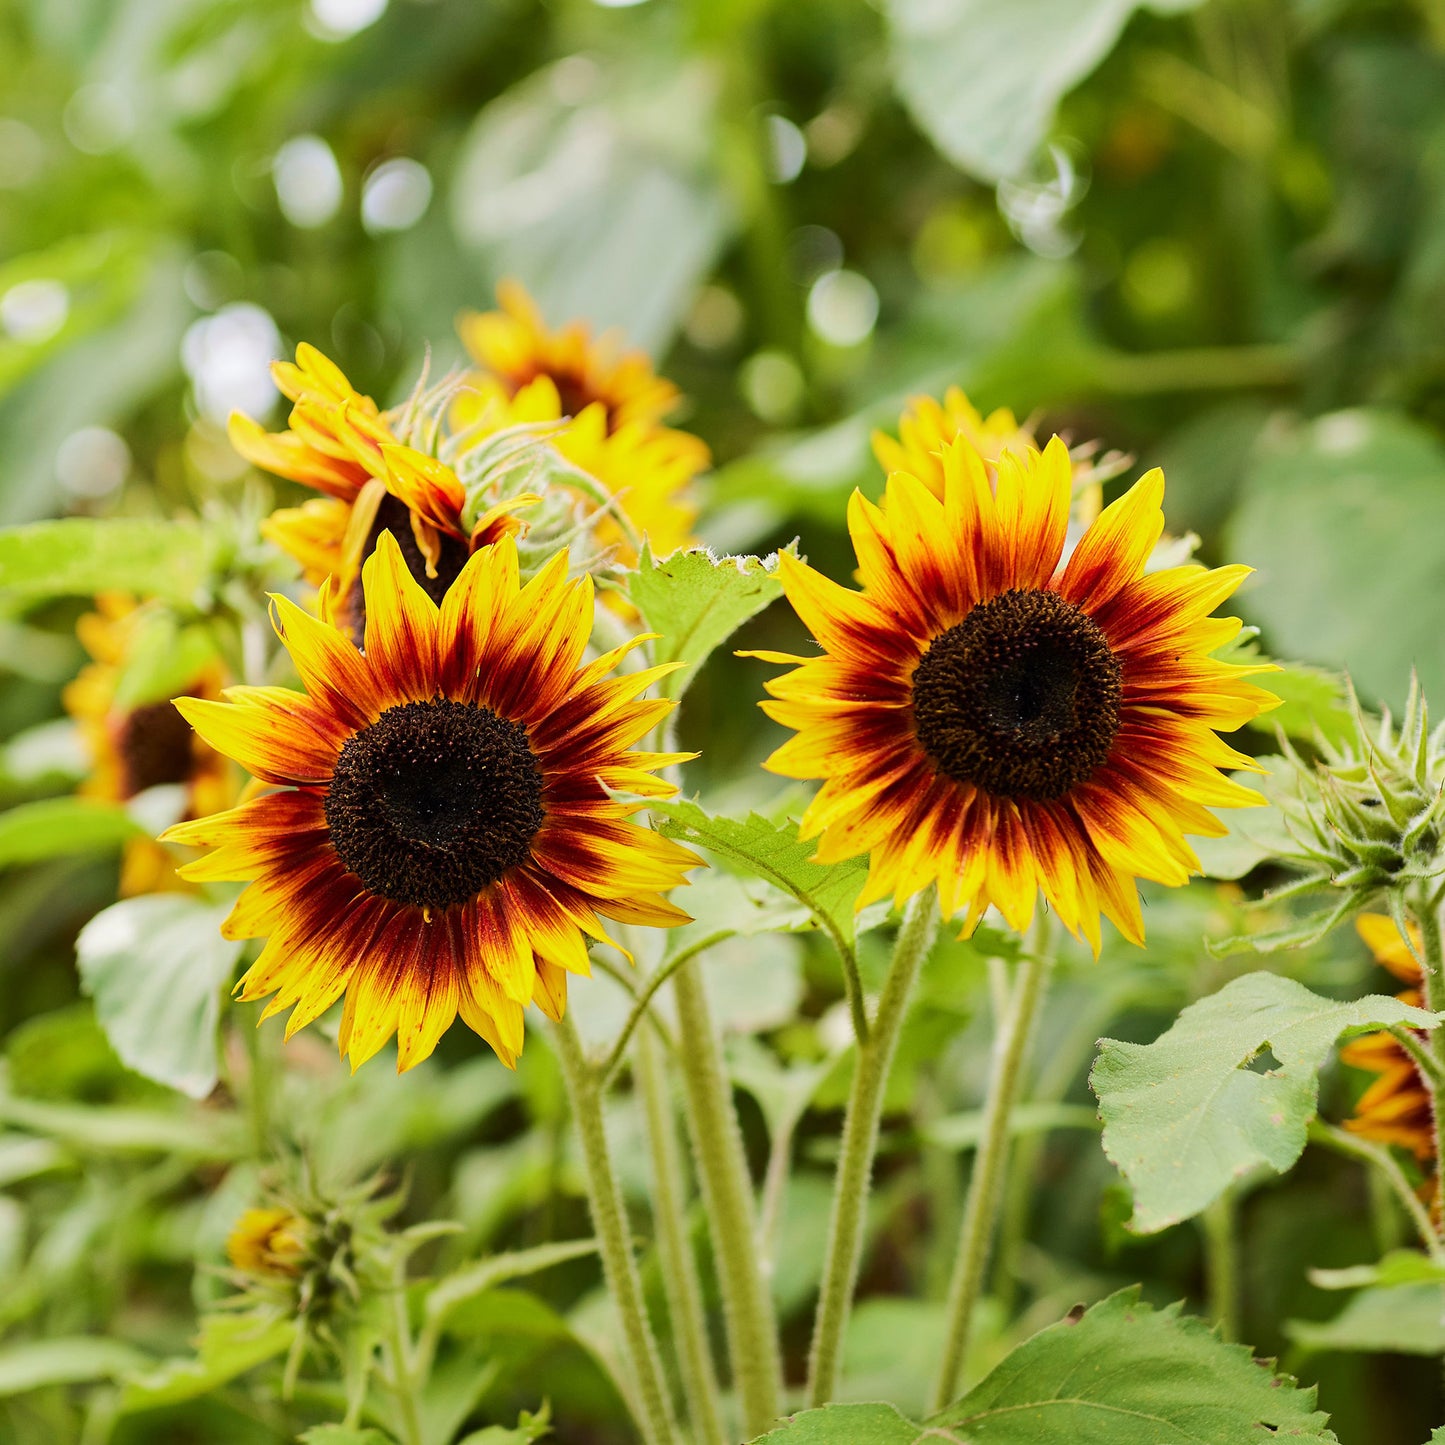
(1367, 817)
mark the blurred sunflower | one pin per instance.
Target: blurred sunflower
(338, 442)
(137, 746)
(267, 1242)
(928, 425)
(1396, 1108)
(446, 837)
(613, 404)
(983, 718)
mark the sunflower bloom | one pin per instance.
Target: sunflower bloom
(612, 404)
(338, 442)
(929, 425)
(446, 835)
(988, 719)
(1396, 1108)
(137, 746)
(267, 1242)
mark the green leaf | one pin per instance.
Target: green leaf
(963, 1131)
(773, 851)
(342, 1435)
(1124, 1373)
(1404, 1320)
(1186, 1115)
(529, 1427)
(1341, 517)
(229, 1345)
(979, 78)
(476, 1279)
(697, 601)
(97, 1130)
(156, 967)
(632, 213)
(33, 1364)
(1400, 1266)
(856, 1424)
(83, 555)
(54, 827)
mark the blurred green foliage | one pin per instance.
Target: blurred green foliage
(1212, 235)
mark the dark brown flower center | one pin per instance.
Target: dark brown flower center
(1021, 698)
(155, 747)
(393, 516)
(434, 801)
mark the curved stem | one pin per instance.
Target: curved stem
(980, 1213)
(609, 1219)
(679, 1265)
(854, 1176)
(1427, 917)
(722, 1170)
(1383, 1162)
(643, 997)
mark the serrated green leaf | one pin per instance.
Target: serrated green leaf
(1186, 1116)
(697, 601)
(155, 967)
(57, 827)
(229, 1345)
(1405, 1320)
(1124, 1373)
(79, 556)
(33, 1364)
(856, 1424)
(773, 851)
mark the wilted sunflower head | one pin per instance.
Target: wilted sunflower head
(139, 743)
(446, 833)
(994, 718)
(515, 346)
(379, 472)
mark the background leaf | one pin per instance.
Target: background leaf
(53, 827)
(156, 967)
(857, 1424)
(31, 1365)
(1186, 1116)
(83, 555)
(1408, 1319)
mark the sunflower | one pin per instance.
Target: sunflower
(1396, 1108)
(445, 835)
(135, 746)
(612, 404)
(515, 346)
(267, 1242)
(988, 719)
(340, 443)
(928, 425)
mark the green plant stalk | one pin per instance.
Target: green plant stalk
(1220, 1226)
(679, 1265)
(1384, 1167)
(985, 1185)
(1432, 949)
(854, 1175)
(403, 1378)
(727, 1194)
(609, 1219)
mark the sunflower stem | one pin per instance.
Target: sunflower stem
(985, 1185)
(1383, 1162)
(854, 1176)
(403, 1374)
(609, 1219)
(1220, 1226)
(679, 1264)
(722, 1169)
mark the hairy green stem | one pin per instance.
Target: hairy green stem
(854, 1176)
(609, 1219)
(679, 1265)
(985, 1185)
(1220, 1226)
(1379, 1158)
(727, 1194)
(1427, 916)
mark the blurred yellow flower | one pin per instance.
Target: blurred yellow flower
(267, 1242)
(134, 747)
